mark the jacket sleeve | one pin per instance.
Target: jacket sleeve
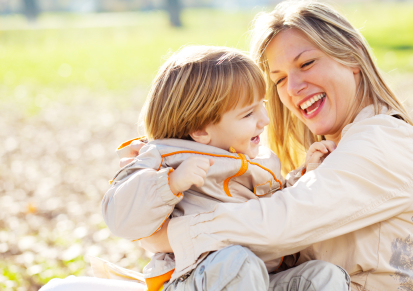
(367, 179)
(294, 175)
(139, 199)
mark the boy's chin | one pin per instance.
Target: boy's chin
(252, 155)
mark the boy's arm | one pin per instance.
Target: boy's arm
(294, 175)
(139, 199)
(317, 152)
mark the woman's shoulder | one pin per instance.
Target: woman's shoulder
(380, 126)
(375, 154)
(381, 144)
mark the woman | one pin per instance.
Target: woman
(355, 210)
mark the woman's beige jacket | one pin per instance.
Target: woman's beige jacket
(355, 210)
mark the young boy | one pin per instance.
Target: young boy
(204, 117)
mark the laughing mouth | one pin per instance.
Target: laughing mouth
(312, 104)
(255, 138)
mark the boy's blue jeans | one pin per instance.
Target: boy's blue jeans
(237, 268)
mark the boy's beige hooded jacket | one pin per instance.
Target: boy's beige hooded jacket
(140, 200)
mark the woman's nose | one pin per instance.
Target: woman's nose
(295, 84)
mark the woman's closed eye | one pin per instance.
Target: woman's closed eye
(307, 64)
(279, 81)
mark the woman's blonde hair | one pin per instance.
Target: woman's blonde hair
(334, 35)
(196, 86)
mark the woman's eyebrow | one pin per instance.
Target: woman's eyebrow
(294, 60)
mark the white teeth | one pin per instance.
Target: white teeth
(315, 98)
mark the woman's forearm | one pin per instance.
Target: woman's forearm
(286, 223)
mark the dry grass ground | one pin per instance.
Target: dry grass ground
(54, 170)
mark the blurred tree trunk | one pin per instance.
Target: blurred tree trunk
(31, 9)
(174, 10)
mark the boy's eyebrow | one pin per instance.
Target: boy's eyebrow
(246, 109)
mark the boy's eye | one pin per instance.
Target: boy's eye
(248, 115)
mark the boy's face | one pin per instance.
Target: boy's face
(240, 128)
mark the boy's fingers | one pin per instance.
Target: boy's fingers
(330, 145)
(211, 162)
(318, 146)
(125, 161)
(199, 181)
(204, 163)
(200, 172)
(316, 157)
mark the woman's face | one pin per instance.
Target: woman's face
(313, 86)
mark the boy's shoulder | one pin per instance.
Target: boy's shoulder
(265, 154)
(182, 149)
(173, 145)
(268, 159)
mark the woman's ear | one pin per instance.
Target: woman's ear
(356, 70)
(201, 136)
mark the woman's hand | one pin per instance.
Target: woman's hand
(158, 242)
(134, 149)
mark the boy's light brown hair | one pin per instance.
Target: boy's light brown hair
(196, 86)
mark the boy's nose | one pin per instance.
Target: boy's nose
(265, 120)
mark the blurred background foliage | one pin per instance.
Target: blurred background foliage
(73, 78)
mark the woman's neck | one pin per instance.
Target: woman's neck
(334, 137)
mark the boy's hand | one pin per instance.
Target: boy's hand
(319, 151)
(191, 172)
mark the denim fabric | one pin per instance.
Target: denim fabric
(237, 268)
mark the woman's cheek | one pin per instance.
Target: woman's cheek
(287, 101)
(282, 96)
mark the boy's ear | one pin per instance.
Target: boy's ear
(201, 136)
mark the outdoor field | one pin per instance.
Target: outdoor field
(71, 89)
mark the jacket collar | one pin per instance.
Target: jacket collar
(172, 145)
(368, 112)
